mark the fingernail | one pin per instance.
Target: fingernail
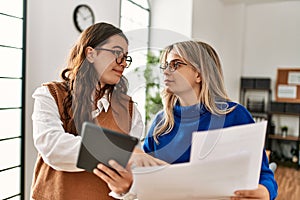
(111, 162)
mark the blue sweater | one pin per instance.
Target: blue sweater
(175, 147)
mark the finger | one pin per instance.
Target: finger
(108, 171)
(245, 193)
(161, 162)
(117, 166)
(155, 162)
(238, 198)
(102, 175)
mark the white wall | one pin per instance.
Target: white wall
(222, 26)
(172, 15)
(272, 39)
(50, 35)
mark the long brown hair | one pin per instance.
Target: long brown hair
(81, 78)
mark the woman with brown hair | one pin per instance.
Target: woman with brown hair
(92, 89)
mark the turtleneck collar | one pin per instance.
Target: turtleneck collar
(193, 111)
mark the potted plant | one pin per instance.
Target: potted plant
(153, 101)
(284, 130)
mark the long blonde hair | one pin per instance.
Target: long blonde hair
(212, 90)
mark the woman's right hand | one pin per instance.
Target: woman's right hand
(141, 159)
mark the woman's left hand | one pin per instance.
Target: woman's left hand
(118, 182)
(261, 193)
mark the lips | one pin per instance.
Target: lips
(120, 72)
(168, 81)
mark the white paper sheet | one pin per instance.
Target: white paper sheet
(231, 161)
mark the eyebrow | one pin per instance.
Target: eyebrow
(118, 47)
(121, 48)
(176, 59)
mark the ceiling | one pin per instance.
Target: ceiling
(252, 1)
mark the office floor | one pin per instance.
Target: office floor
(288, 180)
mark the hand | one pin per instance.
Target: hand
(142, 159)
(120, 181)
(261, 193)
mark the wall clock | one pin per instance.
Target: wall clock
(83, 17)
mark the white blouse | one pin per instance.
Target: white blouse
(60, 150)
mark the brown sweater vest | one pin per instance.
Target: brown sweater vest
(51, 184)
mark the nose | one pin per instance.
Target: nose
(123, 62)
(166, 71)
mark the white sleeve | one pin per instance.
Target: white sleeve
(137, 125)
(57, 148)
(130, 195)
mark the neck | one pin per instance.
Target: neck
(189, 98)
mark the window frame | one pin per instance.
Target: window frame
(21, 136)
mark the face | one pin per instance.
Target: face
(104, 59)
(185, 80)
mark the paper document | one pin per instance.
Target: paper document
(222, 161)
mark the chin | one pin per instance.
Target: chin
(168, 89)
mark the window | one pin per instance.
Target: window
(12, 87)
(135, 23)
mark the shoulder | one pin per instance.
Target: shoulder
(237, 107)
(41, 91)
(56, 85)
(57, 89)
(240, 113)
(158, 117)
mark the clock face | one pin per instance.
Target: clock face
(83, 17)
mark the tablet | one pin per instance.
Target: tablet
(99, 145)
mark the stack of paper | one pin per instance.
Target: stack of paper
(222, 161)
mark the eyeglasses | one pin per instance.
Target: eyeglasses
(120, 56)
(173, 65)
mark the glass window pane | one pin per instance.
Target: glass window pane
(10, 153)
(12, 34)
(11, 116)
(133, 17)
(10, 182)
(16, 198)
(135, 24)
(10, 62)
(12, 88)
(143, 3)
(12, 7)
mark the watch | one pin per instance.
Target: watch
(83, 17)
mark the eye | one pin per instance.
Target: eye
(118, 53)
(164, 65)
(176, 64)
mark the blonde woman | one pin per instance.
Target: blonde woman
(195, 99)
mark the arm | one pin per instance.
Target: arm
(267, 188)
(57, 148)
(149, 141)
(121, 183)
(267, 177)
(267, 185)
(139, 158)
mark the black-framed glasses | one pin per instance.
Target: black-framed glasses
(172, 65)
(120, 56)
